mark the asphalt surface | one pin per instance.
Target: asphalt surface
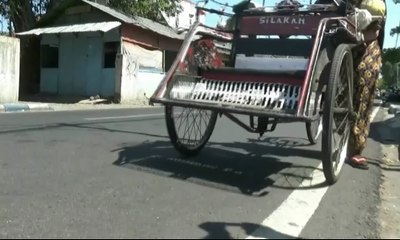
(114, 174)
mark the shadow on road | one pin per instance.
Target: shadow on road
(279, 146)
(83, 125)
(247, 168)
(218, 230)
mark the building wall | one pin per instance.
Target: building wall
(147, 38)
(9, 69)
(76, 75)
(139, 77)
(80, 69)
(136, 84)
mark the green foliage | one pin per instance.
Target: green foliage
(381, 84)
(387, 74)
(147, 8)
(391, 55)
(10, 7)
(395, 31)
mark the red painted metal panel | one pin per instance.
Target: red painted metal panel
(280, 25)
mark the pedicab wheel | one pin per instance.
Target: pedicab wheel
(189, 129)
(314, 128)
(337, 109)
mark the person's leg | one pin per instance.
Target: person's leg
(364, 88)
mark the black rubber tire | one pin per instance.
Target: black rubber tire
(312, 131)
(333, 162)
(185, 149)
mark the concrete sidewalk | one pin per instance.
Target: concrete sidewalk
(51, 102)
(23, 106)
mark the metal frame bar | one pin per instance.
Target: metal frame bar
(229, 109)
(240, 123)
(162, 87)
(306, 88)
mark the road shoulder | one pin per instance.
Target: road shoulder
(389, 210)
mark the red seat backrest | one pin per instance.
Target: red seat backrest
(279, 25)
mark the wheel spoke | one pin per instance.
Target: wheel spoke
(191, 125)
(341, 112)
(343, 122)
(187, 127)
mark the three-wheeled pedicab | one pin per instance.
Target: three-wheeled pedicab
(289, 62)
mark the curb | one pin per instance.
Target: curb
(390, 167)
(18, 107)
(39, 107)
(31, 106)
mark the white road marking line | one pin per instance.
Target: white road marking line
(124, 117)
(290, 218)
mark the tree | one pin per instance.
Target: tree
(381, 84)
(19, 12)
(391, 55)
(387, 75)
(24, 14)
(147, 8)
(396, 30)
(390, 60)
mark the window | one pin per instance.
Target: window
(169, 59)
(49, 56)
(110, 54)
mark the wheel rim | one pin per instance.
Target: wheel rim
(191, 125)
(318, 126)
(341, 116)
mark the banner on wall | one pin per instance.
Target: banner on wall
(145, 58)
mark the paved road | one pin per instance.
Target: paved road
(113, 173)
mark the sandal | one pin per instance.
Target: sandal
(358, 162)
